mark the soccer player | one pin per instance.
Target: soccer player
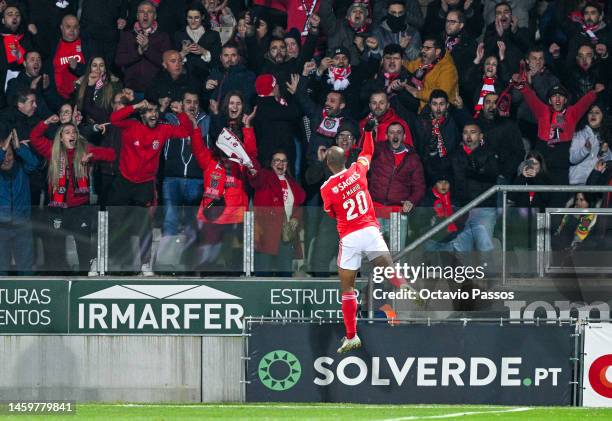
(346, 197)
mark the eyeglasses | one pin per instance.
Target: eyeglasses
(452, 21)
(426, 47)
(345, 136)
(280, 161)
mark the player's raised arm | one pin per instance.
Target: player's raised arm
(365, 157)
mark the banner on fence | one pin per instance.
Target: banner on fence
(33, 307)
(473, 364)
(597, 373)
(187, 307)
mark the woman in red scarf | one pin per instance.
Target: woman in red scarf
(225, 198)
(69, 156)
(483, 77)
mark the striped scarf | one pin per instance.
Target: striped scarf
(488, 87)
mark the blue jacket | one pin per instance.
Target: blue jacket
(15, 187)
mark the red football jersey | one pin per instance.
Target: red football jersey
(346, 196)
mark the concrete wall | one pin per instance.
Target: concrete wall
(121, 368)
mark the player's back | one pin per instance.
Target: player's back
(346, 197)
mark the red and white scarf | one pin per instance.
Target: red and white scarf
(488, 87)
(437, 135)
(338, 77)
(389, 78)
(443, 208)
(557, 124)
(451, 42)
(13, 50)
(59, 192)
(329, 125)
(421, 72)
(150, 30)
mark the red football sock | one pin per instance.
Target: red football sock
(349, 313)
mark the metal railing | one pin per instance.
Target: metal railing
(504, 189)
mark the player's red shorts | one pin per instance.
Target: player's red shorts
(367, 241)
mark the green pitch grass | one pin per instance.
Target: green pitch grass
(321, 412)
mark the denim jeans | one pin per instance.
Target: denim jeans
(477, 234)
(16, 241)
(181, 198)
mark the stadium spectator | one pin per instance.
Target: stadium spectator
(182, 184)
(140, 50)
(520, 10)
(95, 91)
(395, 29)
(505, 38)
(221, 18)
(16, 162)
(231, 75)
(396, 179)
(556, 125)
(439, 135)
(198, 44)
(350, 32)
(438, 201)
(275, 60)
(275, 120)
(503, 137)
(459, 43)
(69, 156)
(171, 82)
(110, 137)
(229, 114)
(336, 74)
(588, 28)
(541, 80)
(225, 198)
(434, 69)
(483, 77)
(412, 12)
(133, 190)
(17, 41)
(585, 149)
(324, 120)
(169, 14)
(44, 17)
(384, 114)
(438, 10)
(391, 78)
(32, 78)
(276, 203)
(475, 170)
(581, 76)
(532, 171)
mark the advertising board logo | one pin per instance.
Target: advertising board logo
(159, 307)
(600, 375)
(279, 370)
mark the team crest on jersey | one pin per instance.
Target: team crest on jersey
(155, 145)
(61, 190)
(78, 48)
(335, 190)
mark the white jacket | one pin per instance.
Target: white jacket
(582, 159)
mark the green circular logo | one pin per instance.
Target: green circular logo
(279, 370)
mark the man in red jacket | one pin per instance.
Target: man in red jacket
(142, 143)
(396, 178)
(556, 125)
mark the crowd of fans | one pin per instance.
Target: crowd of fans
(192, 111)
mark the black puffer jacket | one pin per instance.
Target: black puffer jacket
(474, 174)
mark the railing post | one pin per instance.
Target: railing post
(395, 232)
(102, 254)
(504, 220)
(540, 242)
(248, 244)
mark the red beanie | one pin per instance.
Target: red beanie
(264, 84)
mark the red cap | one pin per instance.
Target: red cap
(264, 84)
